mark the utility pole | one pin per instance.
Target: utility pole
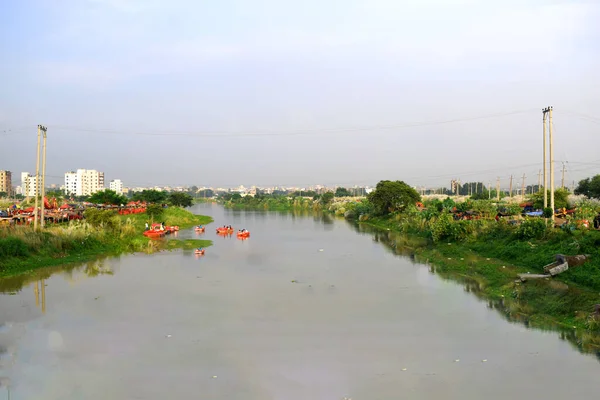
(551, 163)
(523, 188)
(545, 111)
(510, 188)
(498, 189)
(562, 180)
(44, 129)
(37, 180)
(490, 191)
(539, 181)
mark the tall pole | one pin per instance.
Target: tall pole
(545, 165)
(551, 164)
(490, 191)
(498, 189)
(510, 188)
(43, 190)
(37, 180)
(562, 180)
(523, 188)
(539, 181)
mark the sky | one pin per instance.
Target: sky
(272, 92)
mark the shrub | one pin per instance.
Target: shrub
(532, 229)
(13, 247)
(154, 211)
(106, 218)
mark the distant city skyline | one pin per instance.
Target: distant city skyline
(269, 93)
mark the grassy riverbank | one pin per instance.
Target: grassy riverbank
(492, 255)
(22, 249)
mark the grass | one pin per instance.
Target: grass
(487, 263)
(22, 249)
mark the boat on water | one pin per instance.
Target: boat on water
(199, 252)
(244, 234)
(224, 230)
(199, 229)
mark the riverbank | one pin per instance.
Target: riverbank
(22, 249)
(490, 258)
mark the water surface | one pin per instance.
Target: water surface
(307, 308)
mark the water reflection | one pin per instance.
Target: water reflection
(72, 273)
(510, 308)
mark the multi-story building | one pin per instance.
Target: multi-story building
(116, 185)
(6, 182)
(84, 182)
(29, 185)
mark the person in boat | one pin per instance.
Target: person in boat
(200, 249)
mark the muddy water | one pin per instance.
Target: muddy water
(272, 317)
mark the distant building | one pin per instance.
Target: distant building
(29, 186)
(6, 182)
(116, 185)
(84, 182)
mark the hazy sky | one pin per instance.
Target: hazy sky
(164, 92)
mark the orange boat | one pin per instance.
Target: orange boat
(199, 252)
(154, 234)
(198, 229)
(243, 234)
(224, 230)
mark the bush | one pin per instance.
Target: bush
(532, 229)
(13, 247)
(154, 211)
(106, 218)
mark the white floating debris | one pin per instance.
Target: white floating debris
(404, 369)
(488, 259)
(462, 258)
(214, 377)
(457, 360)
(168, 336)
(484, 360)
(449, 258)
(320, 249)
(504, 266)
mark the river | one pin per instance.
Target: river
(306, 308)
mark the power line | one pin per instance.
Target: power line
(288, 133)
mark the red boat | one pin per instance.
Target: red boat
(245, 234)
(155, 231)
(198, 229)
(224, 230)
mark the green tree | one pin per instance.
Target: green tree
(390, 196)
(342, 192)
(205, 193)
(589, 187)
(3, 194)
(107, 197)
(180, 199)
(326, 198)
(154, 211)
(151, 196)
(560, 199)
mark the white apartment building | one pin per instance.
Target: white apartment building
(84, 182)
(28, 185)
(116, 185)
